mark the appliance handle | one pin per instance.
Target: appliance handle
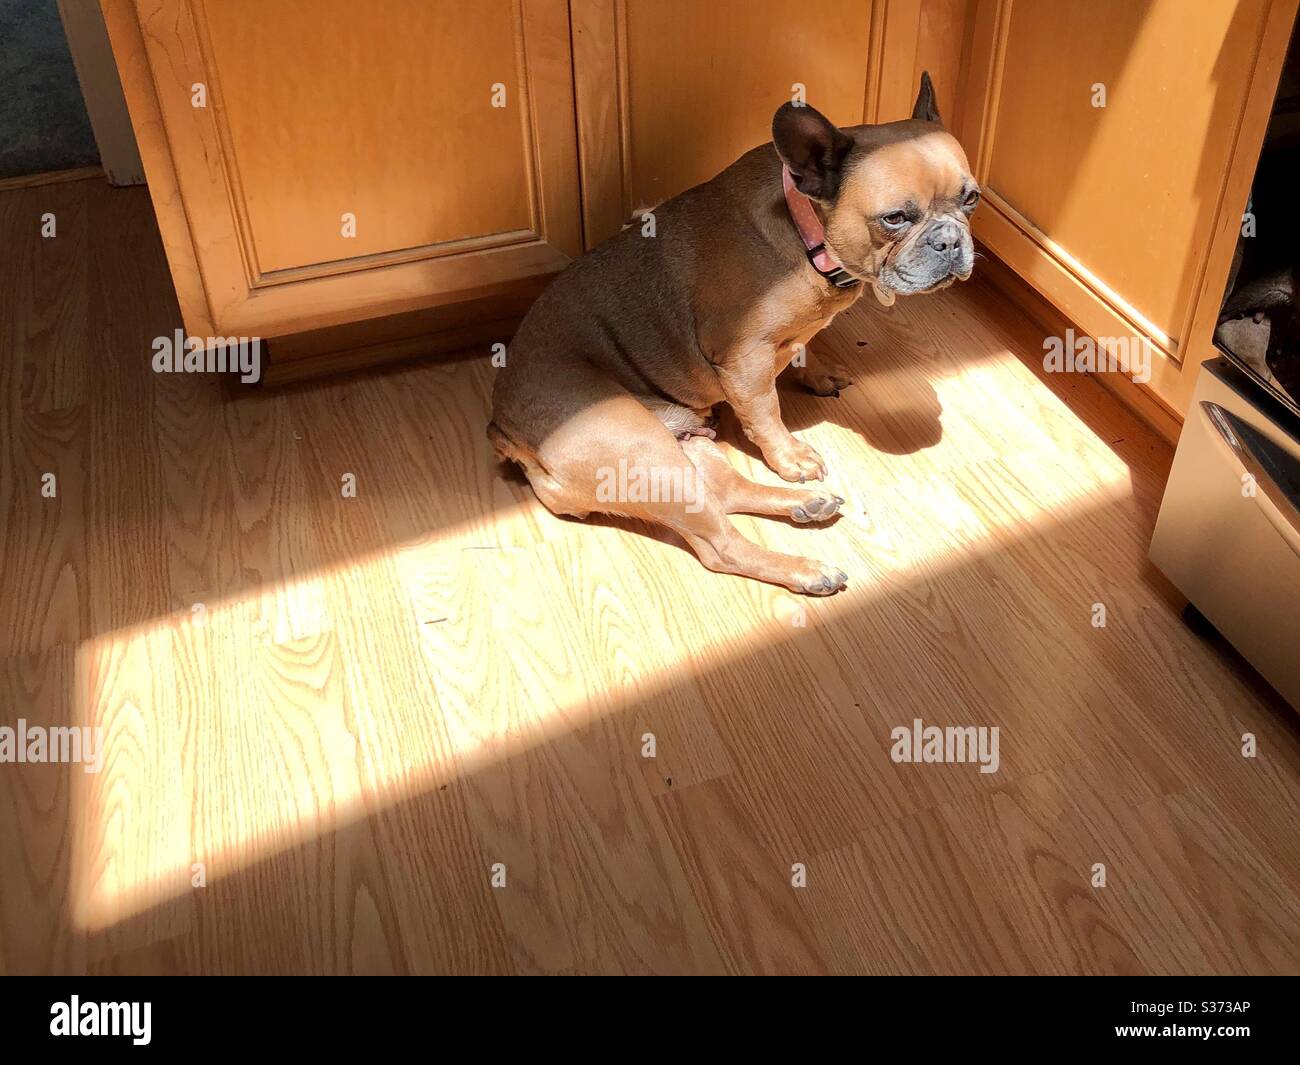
(1278, 505)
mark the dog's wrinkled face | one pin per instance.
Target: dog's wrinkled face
(902, 215)
(895, 199)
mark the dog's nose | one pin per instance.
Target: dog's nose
(944, 238)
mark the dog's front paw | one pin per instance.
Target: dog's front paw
(824, 378)
(796, 461)
(821, 374)
(826, 384)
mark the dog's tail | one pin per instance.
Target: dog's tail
(501, 443)
(511, 450)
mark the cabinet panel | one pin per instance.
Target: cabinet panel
(918, 35)
(382, 111)
(1130, 188)
(703, 81)
(672, 91)
(1119, 207)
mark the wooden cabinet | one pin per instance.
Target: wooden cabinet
(359, 181)
(397, 176)
(1116, 141)
(670, 92)
(316, 163)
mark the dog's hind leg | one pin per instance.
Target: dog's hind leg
(739, 495)
(552, 493)
(611, 454)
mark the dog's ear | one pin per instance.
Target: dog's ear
(926, 107)
(812, 147)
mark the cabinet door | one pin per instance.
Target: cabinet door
(1115, 141)
(316, 162)
(670, 92)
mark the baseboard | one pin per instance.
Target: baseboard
(1141, 400)
(51, 177)
(303, 357)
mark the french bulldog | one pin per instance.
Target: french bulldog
(609, 385)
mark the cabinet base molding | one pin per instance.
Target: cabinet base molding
(1139, 398)
(50, 177)
(435, 331)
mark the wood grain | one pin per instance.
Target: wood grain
(388, 697)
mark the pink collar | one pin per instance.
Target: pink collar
(813, 234)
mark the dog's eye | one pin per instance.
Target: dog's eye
(894, 220)
(972, 198)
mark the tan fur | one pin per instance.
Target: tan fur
(636, 341)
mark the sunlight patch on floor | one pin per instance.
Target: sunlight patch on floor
(303, 706)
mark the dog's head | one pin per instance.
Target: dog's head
(895, 199)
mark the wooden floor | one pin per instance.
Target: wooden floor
(384, 701)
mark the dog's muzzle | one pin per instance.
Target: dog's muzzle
(943, 253)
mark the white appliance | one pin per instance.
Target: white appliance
(1228, 534)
